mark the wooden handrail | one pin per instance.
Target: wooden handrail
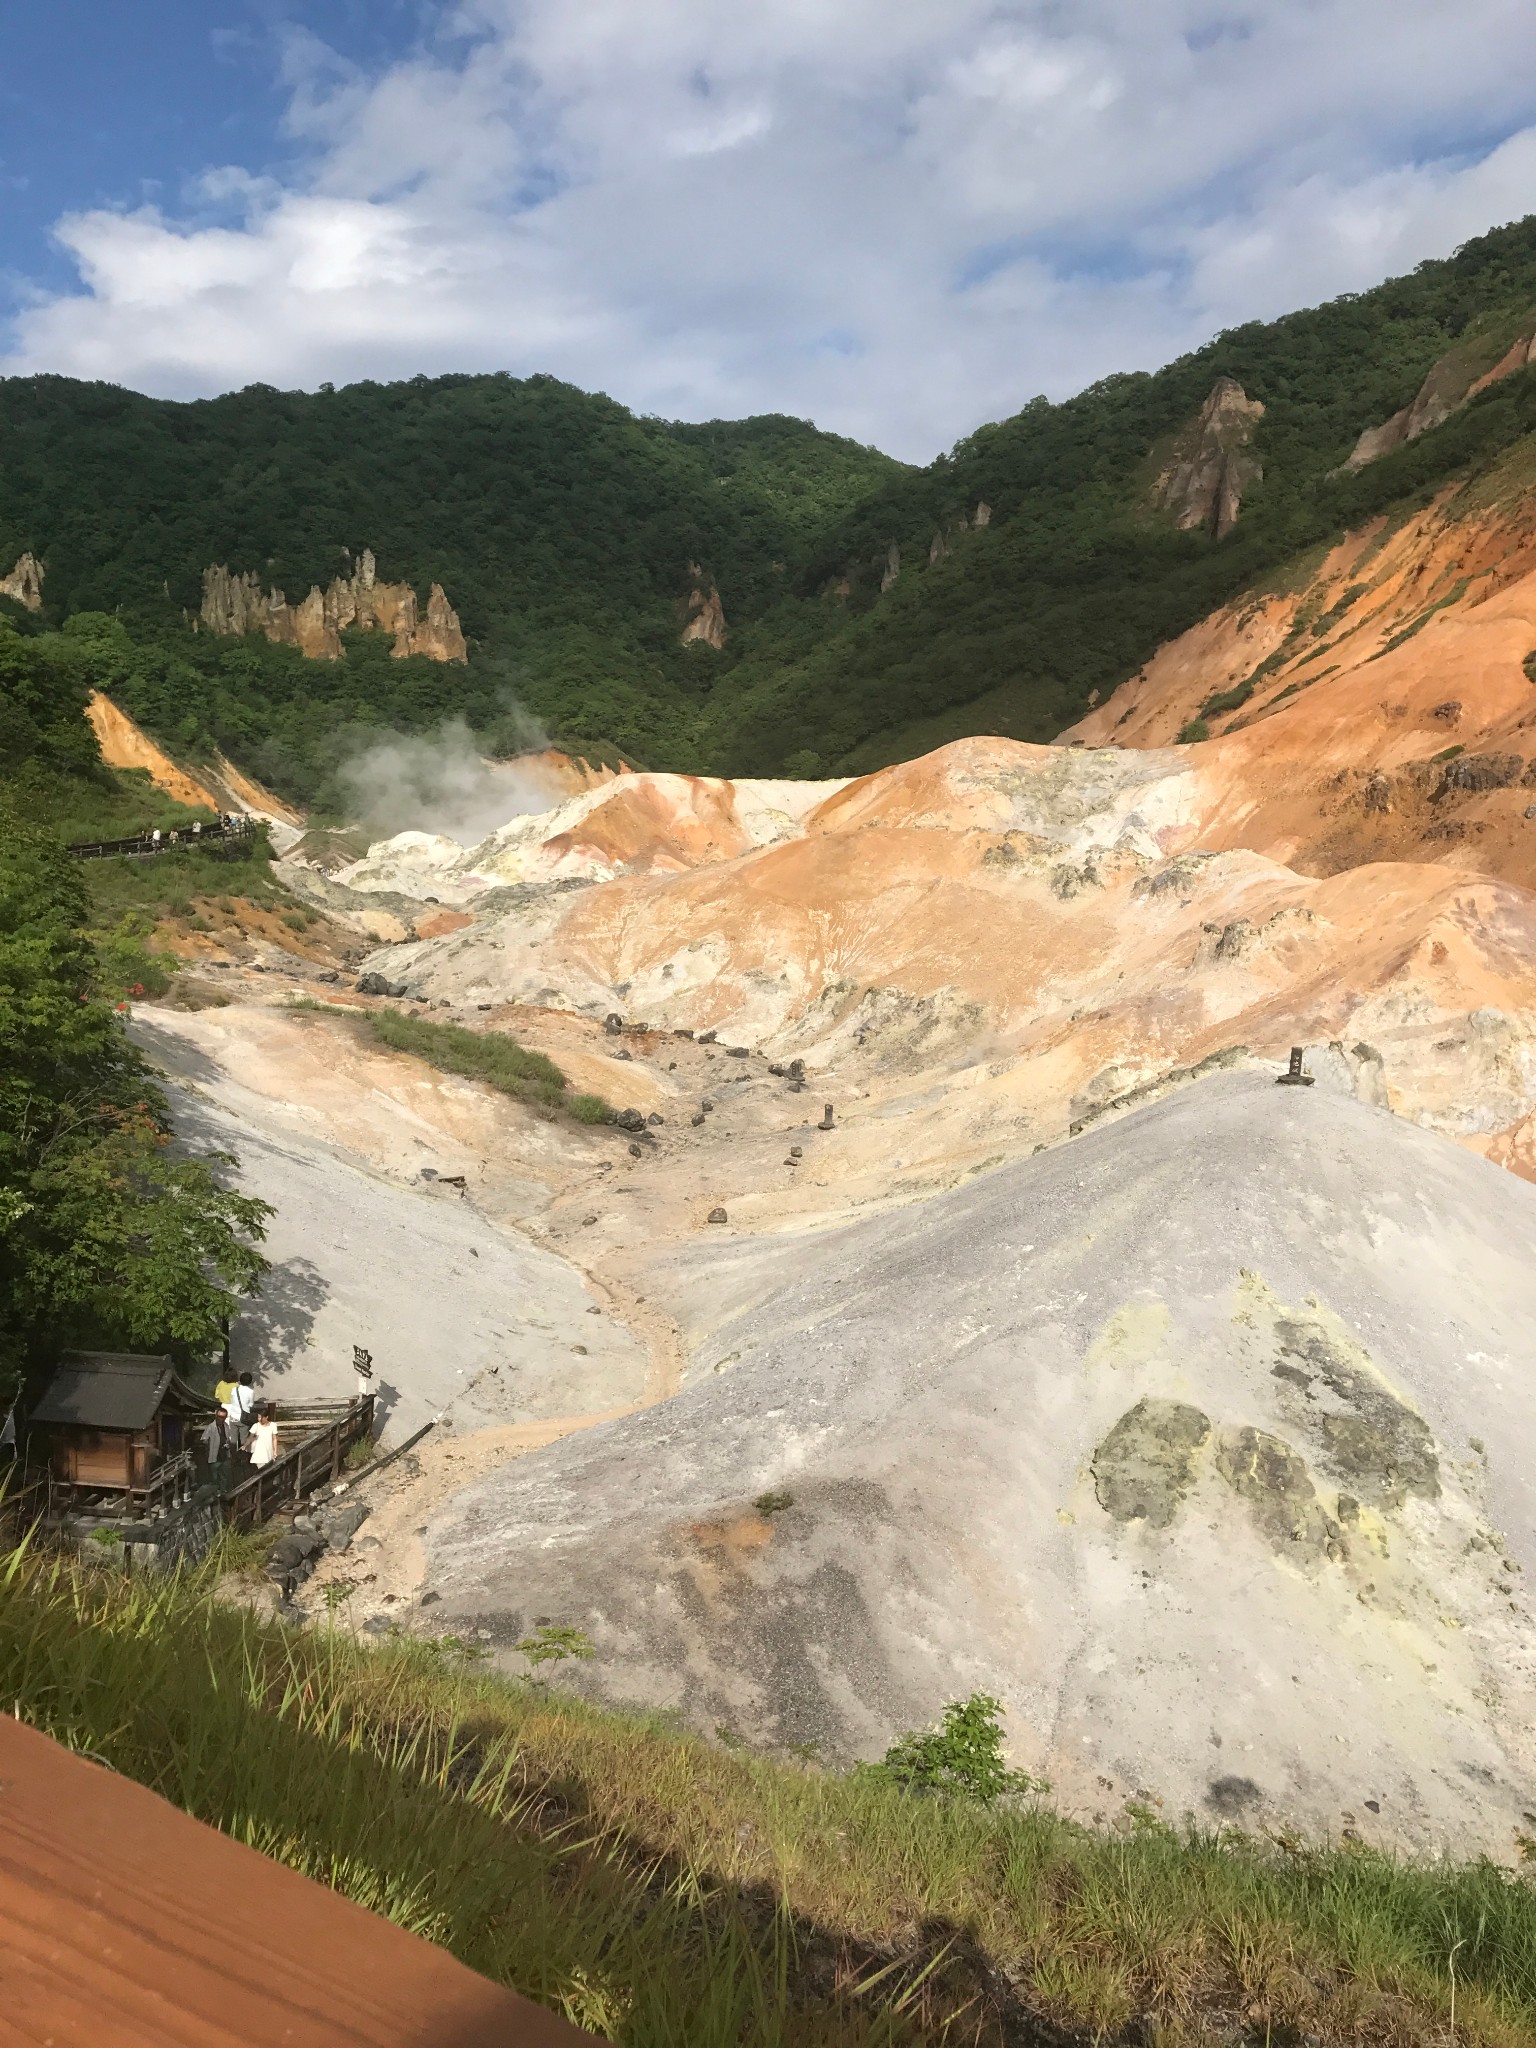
(145, 843)
(286, 1478)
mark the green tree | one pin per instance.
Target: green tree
(109, 1234)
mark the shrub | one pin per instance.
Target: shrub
(1195, 731)
(1227, 700)
(488, 1056)
(963, 1756)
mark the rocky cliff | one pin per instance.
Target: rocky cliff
(706, 614)
(236, 603)
(1210, 466)
(25, 583)
(1450, 384)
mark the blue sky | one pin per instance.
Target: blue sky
(898, 217)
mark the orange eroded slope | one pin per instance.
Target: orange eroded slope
(221, 787)
(126, 745)
(926, 920)
(1402, 644)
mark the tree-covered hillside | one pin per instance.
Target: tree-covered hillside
(566, 531)
(563, 528)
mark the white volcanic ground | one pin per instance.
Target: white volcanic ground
(1201, 1439)
(467, 1322)
(1039, 930)
(1206, 1442)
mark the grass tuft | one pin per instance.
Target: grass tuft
(488, 1056)
(657, 1888)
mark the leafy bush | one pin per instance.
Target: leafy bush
(553, 1643)
(1196, 730)
(127, 965)
(963, 1756)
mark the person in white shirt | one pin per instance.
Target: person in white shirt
(242, 1406)
(263, 1441)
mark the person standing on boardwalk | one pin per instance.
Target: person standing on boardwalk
(241, 1403)
(263, 1442)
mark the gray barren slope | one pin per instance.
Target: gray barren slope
(1206, 1442)
(465, 1322)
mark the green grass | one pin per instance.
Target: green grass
(173, 883)
(1227, 700)
(488, 1056)
(661, 1889)
(108, 803)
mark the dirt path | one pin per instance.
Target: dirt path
(381, 1575)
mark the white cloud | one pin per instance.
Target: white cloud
(899, 217)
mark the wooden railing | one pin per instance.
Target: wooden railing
(146, 844)
(173, 1482)
(317, 1456)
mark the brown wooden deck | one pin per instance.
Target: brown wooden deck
(125, 1924)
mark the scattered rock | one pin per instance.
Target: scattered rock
(826, 1123)
(341, 1524)
(698, 1116)
(1448, 713)
(594, 1310)
(291, 1554)
(373, 984)
(430, 1599)
(797, 1151)
(736, 1052)
(1477, 772)
(329, 975)
(653, 1118)
(707, 1104)
(1146, 1465)
(706, 1038)
(717, 1216)
(587, 1222)
(630, 1120)
(613, 1024)
(682, 1031)
(623, 1054)
(637, 1151)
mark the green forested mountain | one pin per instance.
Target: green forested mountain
(565, 531)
